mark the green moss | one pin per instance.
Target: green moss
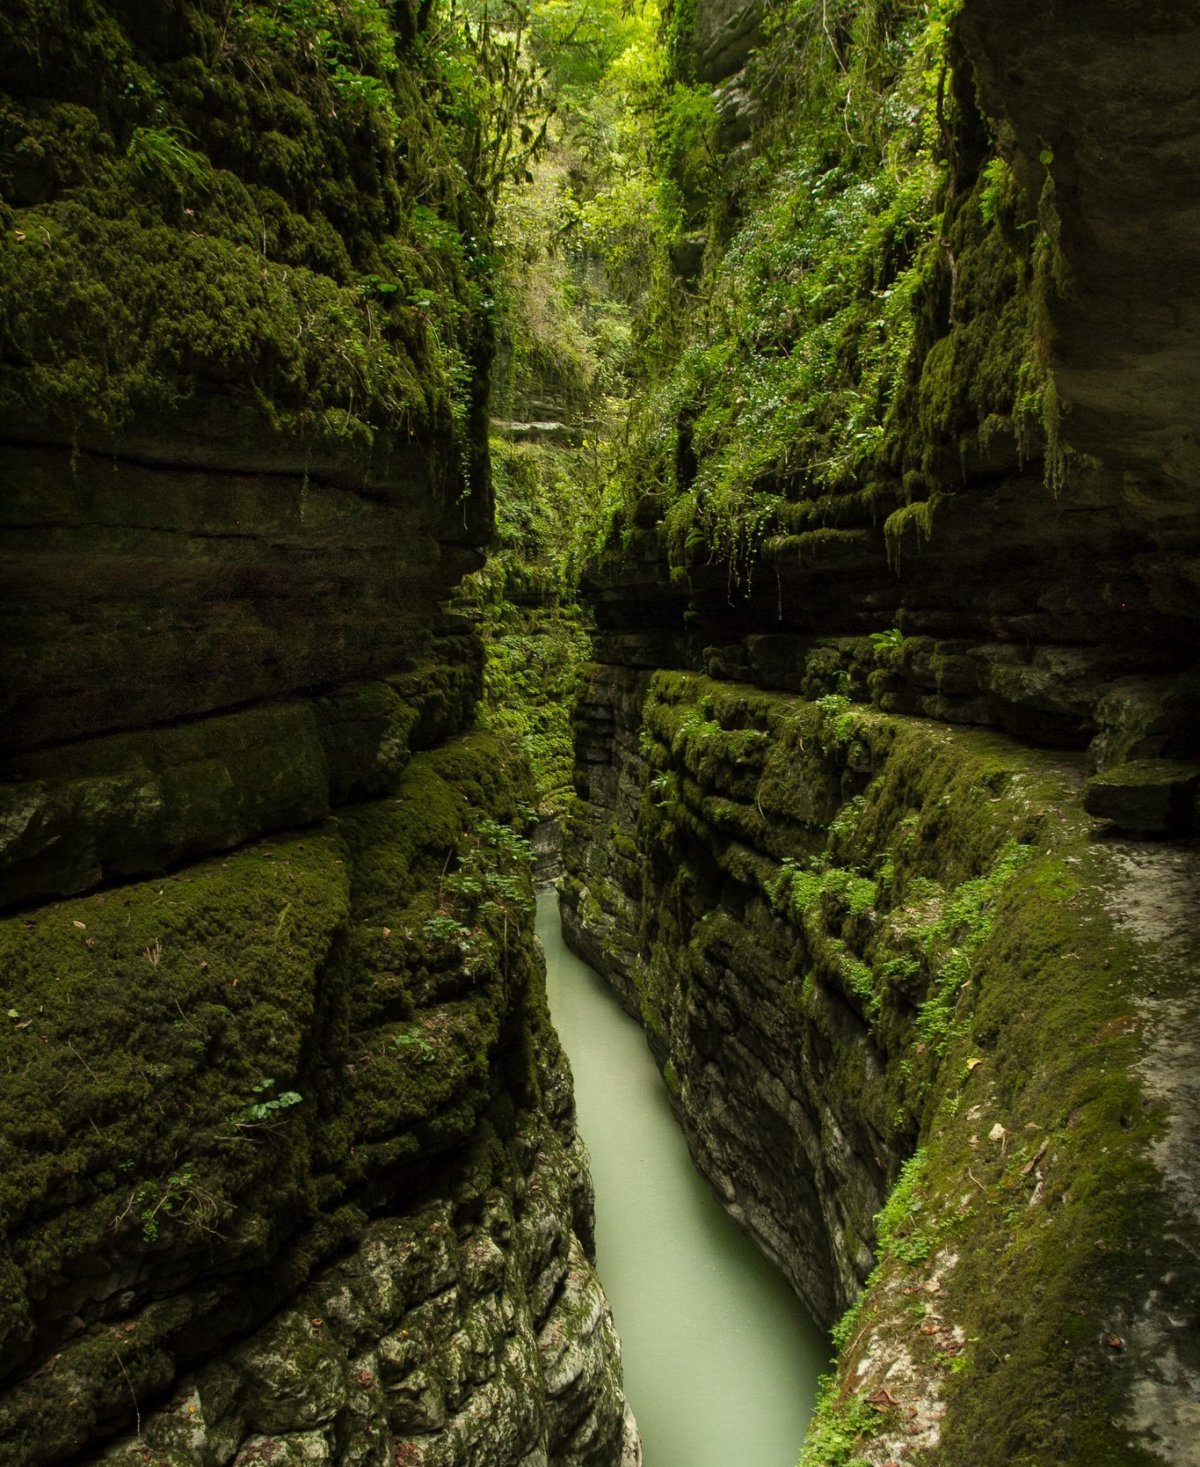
(127, 998)
(875, 311)
(197, 1068)
(266, 208)
(1036, 1107)
(944, 886)
(916, 517)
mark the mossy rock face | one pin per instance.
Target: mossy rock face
(881, 938)
(101, 809)
(141, 595)
(245, 348)
(471, 1327)
(235, 206)
(212, 1078)
(1151, 796)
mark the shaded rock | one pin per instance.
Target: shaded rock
(827, 939)
(331, 1052)
(724, 34)
(1151, 796)
(101, 809)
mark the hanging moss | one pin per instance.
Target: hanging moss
(874, 318)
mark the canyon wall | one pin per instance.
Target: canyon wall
(289, 1163)
(886, 765)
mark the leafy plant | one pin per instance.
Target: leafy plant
(900, 1229)
(444, 929)
(180, 1196)
(270, 1105)
(950, 943)
(161, 151)
(893, 637)
(413, 1039)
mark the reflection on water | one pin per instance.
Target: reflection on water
(721, 1359)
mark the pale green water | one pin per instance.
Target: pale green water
(721, 1359)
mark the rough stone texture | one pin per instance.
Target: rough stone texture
(1153, 796)
(74, 815)
(724, 33)
(465, 1330)
(139, 594)
(850, 935)
(330, 1046)
(801, 1171)
(860, 927)
(288, 1169)
(1125, 168)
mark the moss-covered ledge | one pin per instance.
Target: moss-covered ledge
(881, 959)
(73, 816)
(210, 1079)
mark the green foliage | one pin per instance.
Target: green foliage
(180, 1197)
(893, 637)
(867, 309)
(270, 1105)
(495, 96)
(841, 1425)
(965, 922)
(900, 1229)
(564, 344)
(347, 46)
(160, 150)
(533, 631)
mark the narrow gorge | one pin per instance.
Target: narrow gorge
(793, 410)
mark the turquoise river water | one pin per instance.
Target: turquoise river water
(721, 1359)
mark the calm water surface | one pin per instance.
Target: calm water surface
(721, 1359)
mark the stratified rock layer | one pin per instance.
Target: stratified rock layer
(288, 1169)
(855, 939)
(926, 1023)
(289, 1157)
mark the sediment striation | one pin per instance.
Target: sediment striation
(886, 766)
(288, 1152)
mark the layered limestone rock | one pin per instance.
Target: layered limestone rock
(288, 1168)
(469, 1329)
(887, 726)
(289, 1156)
(857, 941)
(242, 471)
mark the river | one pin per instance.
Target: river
(721, 1359)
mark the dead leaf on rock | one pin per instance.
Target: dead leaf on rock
(77, 923)
(1114, 1342)
(882, 1398)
